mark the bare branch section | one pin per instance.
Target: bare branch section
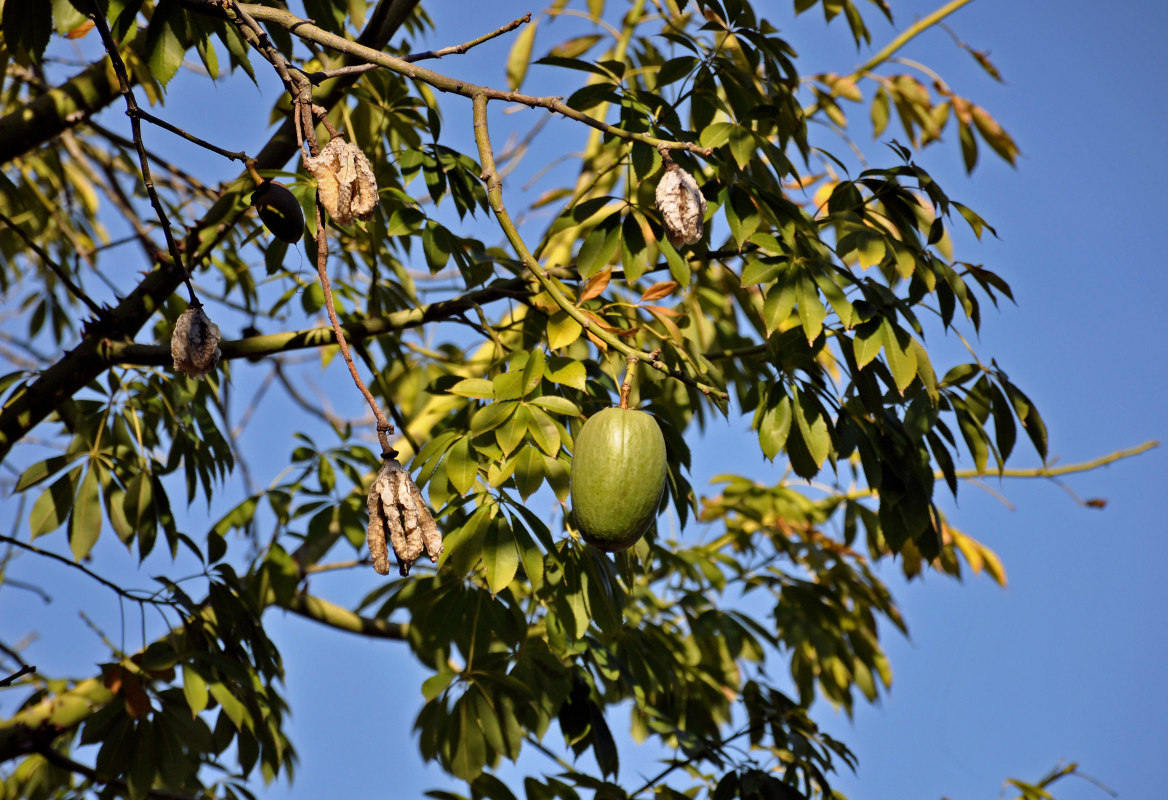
(133, 354)
(309, 32)
(458, 49)
(134, 113)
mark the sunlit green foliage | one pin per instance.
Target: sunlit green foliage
(808, 309)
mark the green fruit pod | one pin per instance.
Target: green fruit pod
(617, 477)
(280, 211)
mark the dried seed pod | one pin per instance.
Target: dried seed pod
(398, 513)
(194, 344)
(682, 206)
(344, 181)
(280, 211)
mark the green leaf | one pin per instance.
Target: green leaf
(778, 304)
(567, 372)
(513, 431)
(45, 469)
(491, 416)
(520, 56)
(1029, 417)
(600, 246)
(880, 108)
(762, 270)
(509, 385)
(867, 341)
(634, 248)
(742, 146)
(544, 430)
(27, 26)
(899, 353)
(1005, 432)
(813, 426)
(678, 266)
(165, 42)
(533, 371)
(139, 502)
(194, 690)
(500, 555)
(85, 521)
(52, 508)
(468, 750)
(742, 214)
(231, 705)
(436, 684)
(811, 310)
(774, 427)
(461, 469)
(717, 134)
(474, 387)
(529, 471)
(557, 404)
(436, 245)
(562, 330)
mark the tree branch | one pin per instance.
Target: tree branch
(61, 273)
(134, 354)
(326, 613)
(309, 32)
(127, 594)
(490, 177)
(30, 405)
(135, 114)
(25, 669)
(57, 110)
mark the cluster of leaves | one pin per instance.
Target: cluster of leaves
(811, 314)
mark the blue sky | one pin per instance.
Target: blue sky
(1066, 661)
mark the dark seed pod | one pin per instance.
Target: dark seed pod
(280, 211)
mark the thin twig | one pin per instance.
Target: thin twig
(25, 669)
(458, 49)
(1038, 472)
(57, 269)
(306, 30)
(129, 595)
(134, 113)
(383, 426)
(252, 347)
(177, 131)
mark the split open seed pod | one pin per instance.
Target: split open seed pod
(398, 517)
(344, 181)
(682, 206)
(194, 344)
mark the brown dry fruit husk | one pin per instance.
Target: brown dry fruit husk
(682, 206)
(194, 344)
(345, 184)
(396, 508)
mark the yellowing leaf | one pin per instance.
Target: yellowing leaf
(562, 330)
(520, 56)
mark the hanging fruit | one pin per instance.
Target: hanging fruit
(345, 184)
(194, 343)
(617, 477)
(279, 210)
